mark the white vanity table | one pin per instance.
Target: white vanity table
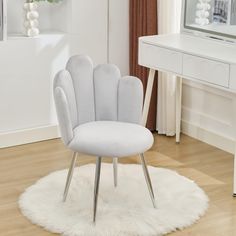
(191, 55)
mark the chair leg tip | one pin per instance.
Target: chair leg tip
(154, 205)
(64, 198)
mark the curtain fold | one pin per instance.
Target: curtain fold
(143, 22)
(169, 12)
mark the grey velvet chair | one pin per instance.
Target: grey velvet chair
(99, 114)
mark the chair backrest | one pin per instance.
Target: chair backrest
(83, 94)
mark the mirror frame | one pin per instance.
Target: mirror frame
(202, 32)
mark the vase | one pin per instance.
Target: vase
(31, 19)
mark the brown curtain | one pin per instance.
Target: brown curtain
(143, 21)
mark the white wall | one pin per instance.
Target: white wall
(28, 65)
(119, 34)
(208, 115)
(88, 29)
(27, 70)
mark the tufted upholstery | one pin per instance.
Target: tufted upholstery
(85, 95)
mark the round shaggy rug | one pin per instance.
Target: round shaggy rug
(123, 211)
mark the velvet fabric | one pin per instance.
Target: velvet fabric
(111, 139)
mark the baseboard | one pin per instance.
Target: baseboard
(25, 136)
(225, 143)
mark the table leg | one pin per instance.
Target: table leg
(234, 127)
(234, 181)
(148, 95)
(178, 105)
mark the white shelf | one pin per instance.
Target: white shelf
(41, 35)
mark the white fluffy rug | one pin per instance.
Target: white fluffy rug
(124, 211)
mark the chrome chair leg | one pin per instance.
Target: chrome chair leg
(96, 186)
(115, 170)
(69, 175)
(148, 180)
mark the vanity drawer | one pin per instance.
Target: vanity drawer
(211, 71)
(160, 58)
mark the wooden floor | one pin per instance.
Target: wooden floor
(211, 168)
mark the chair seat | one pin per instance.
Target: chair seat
(111, 139)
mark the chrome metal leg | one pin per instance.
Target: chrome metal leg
(178, 105)
(115, 170)
(148, 180)
(69, 175)
(96, 186)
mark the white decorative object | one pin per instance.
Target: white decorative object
(202, 12)
(31, 19)
(125, 210)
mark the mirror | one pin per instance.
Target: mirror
(216, 17)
